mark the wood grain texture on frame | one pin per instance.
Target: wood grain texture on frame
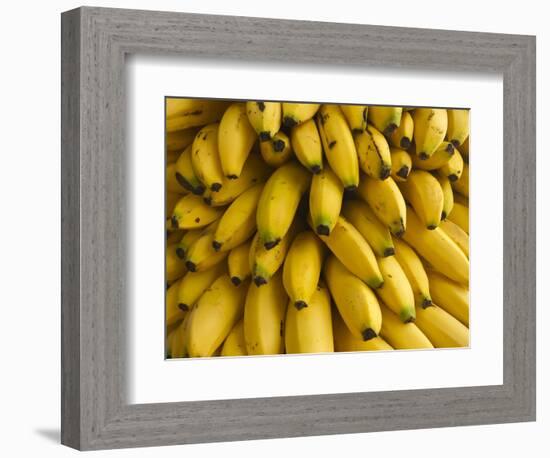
(95, 412)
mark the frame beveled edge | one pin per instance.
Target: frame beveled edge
(95, 42)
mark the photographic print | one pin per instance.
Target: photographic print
(314, 228)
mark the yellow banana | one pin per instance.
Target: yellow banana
(338, 145)
(297, 113)
(264, 314)
(185, 113)
(448, 196)
(214, 315)
(438, 249)
(401, 164)
(424, 193)
(276, 151)
(458, 127)
(401, 336)
(238, 263)
(302, 268)
(310, 330)
(356, 116)
(253, 172)
(385, 119)
(194, 284)
(462, 185)
(173, 313)
(205, 157)
(443, 330)
(234, 344)
(238, 223)
(181, 139)
(191, 213)
(465, 149)
(177, 340)
(457, 235)
(453, 168)
(325, 200)
(263, 262)
(201, 254)
(344, 340)
(403, 135)
(430, 127)
(438, 159)
(265, 118)
(172, 184)
(450, 296)
(360, 215)
(355, 301)
(187, 240)
(235, 140)
(461, 217)
(353, 251)
(386, 201)
(186, 175)
(175, 267)
(396, 292)
(279, 201)
(306, 144)
(373, 152)
(415, 272)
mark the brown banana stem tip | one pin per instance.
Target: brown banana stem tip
(300, 305)
(259, 281)
(217, 186)
(236, 281)
(271, 244)
(316, 169)
(191, 267)
(322, 229)
(405, 143)
(183, 307)
(216, 245)
(389, 252)
(368, 334)
(180, 252)
(403, 172)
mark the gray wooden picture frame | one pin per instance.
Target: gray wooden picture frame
(95, 41)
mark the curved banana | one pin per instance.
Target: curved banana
(238, 223)
(453, 168)
(401, 164)
(450, 296)
(187, 240)
(302, 268)
(386, 201)
(180, 140)
(465, 149)
(265, 118)
(430, 127)
(385, 119)
(172, 184)
(438, 159)
(201, 254)
(401, 336)
(310, 330)
(462, 185)
(378, 236)
(325, 200)
(461, 217)
(234, 344)
(205, 157)
(214, 315)
(403, 135)
(186, 175)
(173, 313)
(253, 172)
(344, 340)
(356, 116)
(458, 127)
(238, 263)
(194, 284)
(448, 196)
(373, 152)
(396, 292)
(175, 267)
(424, 193)
(279, 201)
(355, 301)
(338, 145)
(457, 235)
(353, 251)
(438, 249)
(415, 272)
(276, 151)
(185, 113)
(235, 139)
(191, 213)
(443, 330)
(297, 113)
(306, 144)
(176, 341)
(264, 315)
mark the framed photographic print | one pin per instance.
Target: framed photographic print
(268, 229)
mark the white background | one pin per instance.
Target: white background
(150, 79)
(30, 246)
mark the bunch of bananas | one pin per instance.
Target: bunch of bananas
(309, 228)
